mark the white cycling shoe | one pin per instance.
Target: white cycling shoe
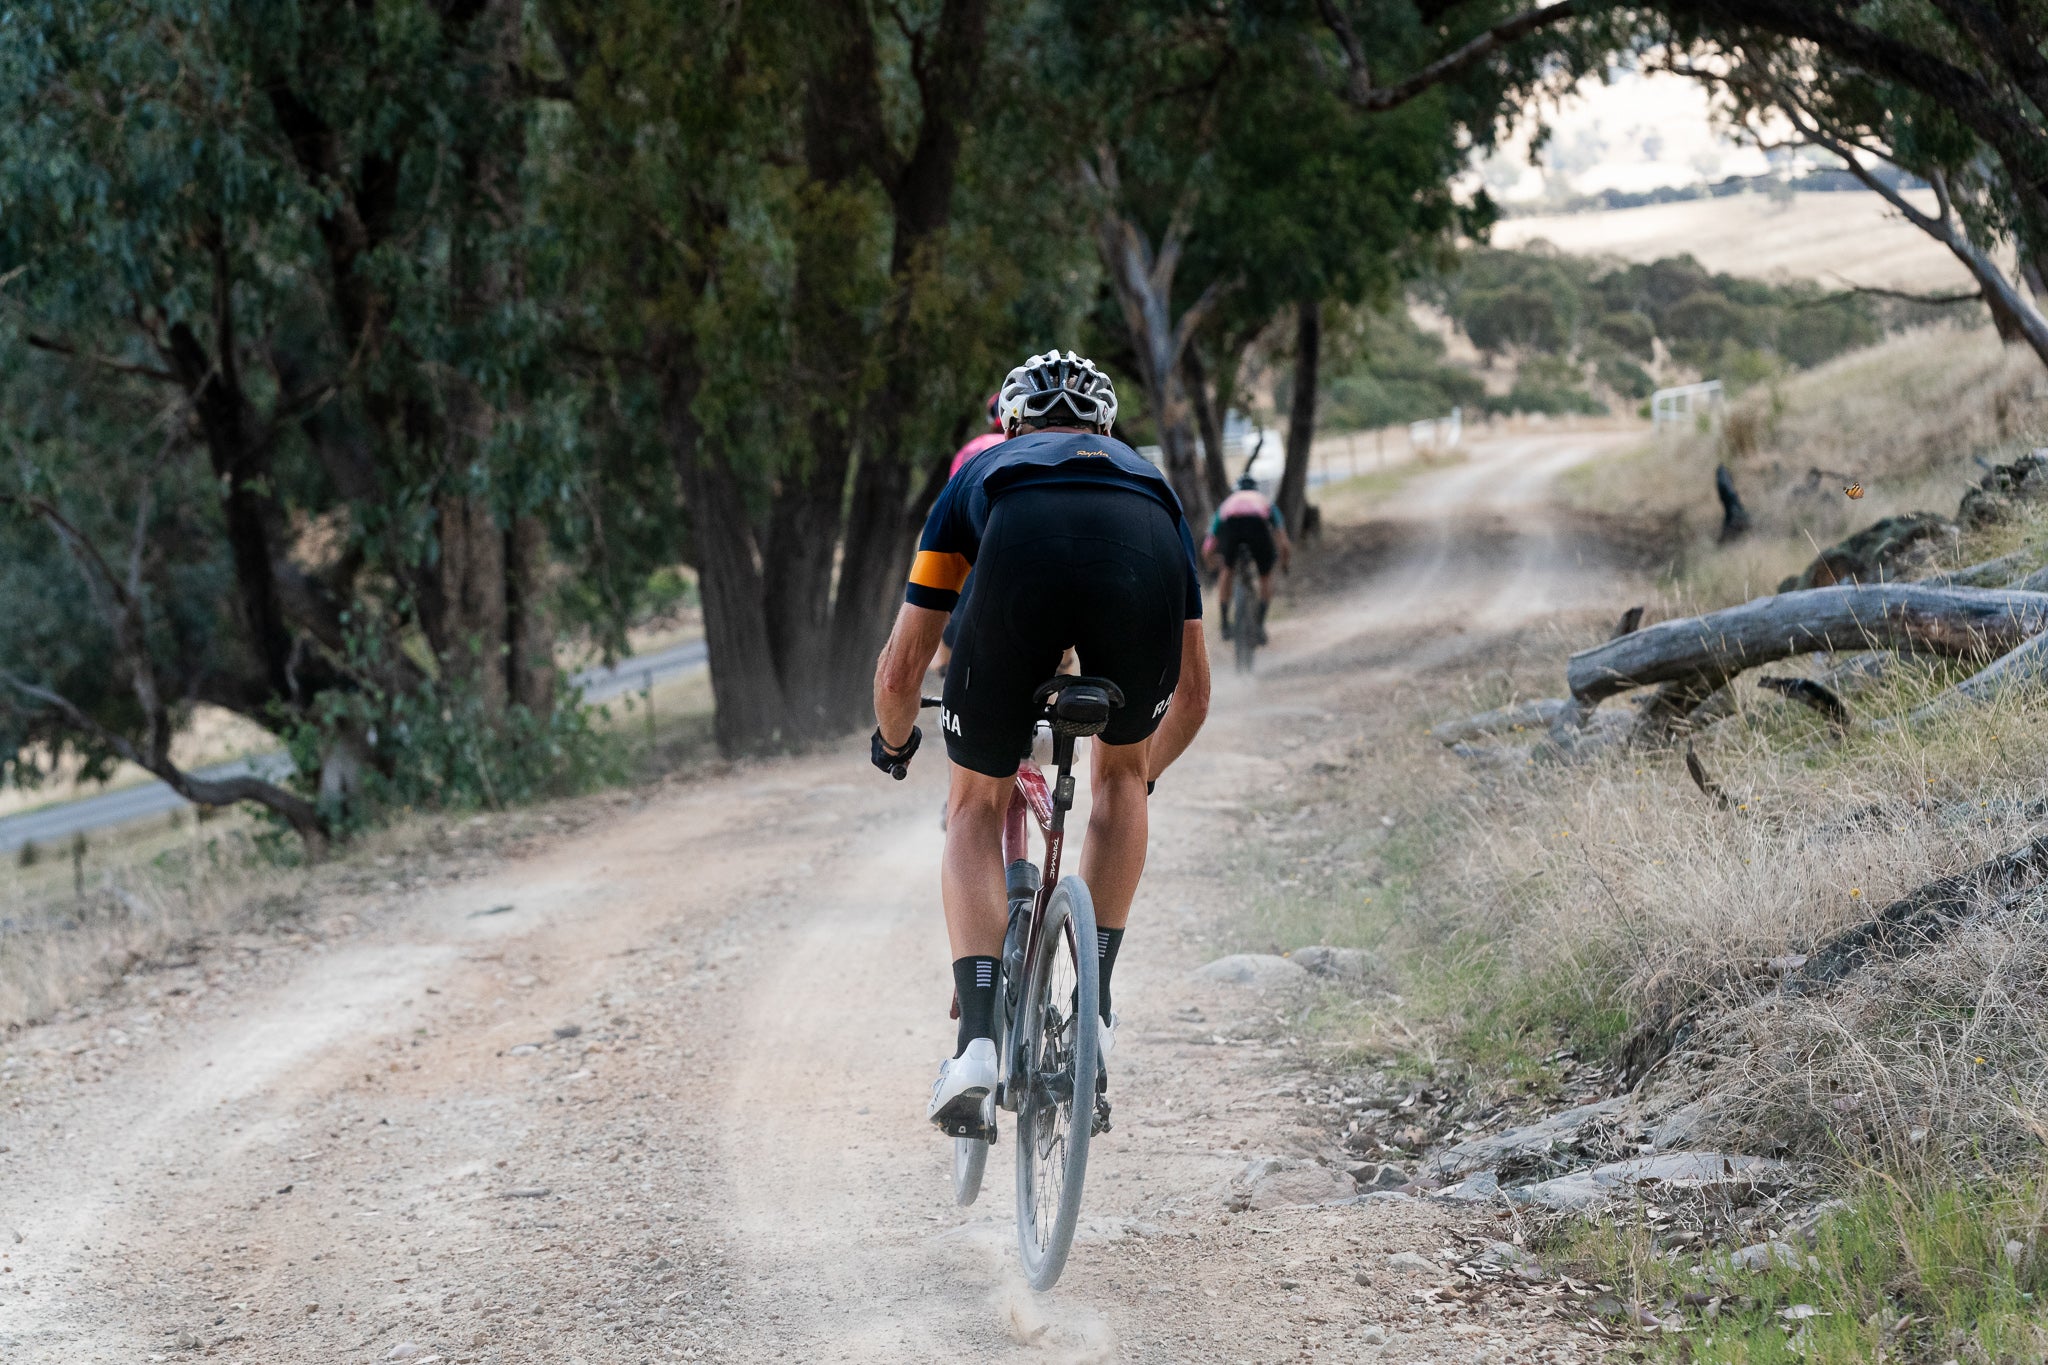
(1105, 1046)
(964, 1083)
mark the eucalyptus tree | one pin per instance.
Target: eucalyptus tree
(276, 383)
(776, 269)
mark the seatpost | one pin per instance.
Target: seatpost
(1063, 787)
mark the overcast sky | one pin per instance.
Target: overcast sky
(1636, 132)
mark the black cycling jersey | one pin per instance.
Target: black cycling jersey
(953, 532)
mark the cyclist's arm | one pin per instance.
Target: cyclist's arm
(1281, 540)
(899, 673)
(1183, 720)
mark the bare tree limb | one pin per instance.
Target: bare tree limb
(56, 347)
(1703, 652)
(1359, 88)
(300, 813)
(121, 603)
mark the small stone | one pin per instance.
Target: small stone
(1361, 1279)
(1766, 1255)
(569, 1031)
(522, 1050)
(521, 983)
(527, 1192)
(2015, 1253)
(1372, 1334)
(1380, 1175)
(1260, 971)
(312, 1308)
(405, 1350)
(1355, 965)
(1477, 1188)
(1409, 1263)
(1290, 1284)
(1272, 1184)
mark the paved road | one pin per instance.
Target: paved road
(53, 824)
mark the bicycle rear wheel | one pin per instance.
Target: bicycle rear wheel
(1057, 1044)
(1244, 610)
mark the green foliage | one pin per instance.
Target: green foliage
(444, 748)
(1912, 1269)
(1548, 384)
(1399, 374)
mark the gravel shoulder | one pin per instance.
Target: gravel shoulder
(668, 1105)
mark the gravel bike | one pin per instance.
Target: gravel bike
(1049, 1071)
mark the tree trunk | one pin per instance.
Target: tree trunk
(1301, 415)
(530, 672)
(1195, 378)
(1699, 653)
(746, 691)
(469, 634)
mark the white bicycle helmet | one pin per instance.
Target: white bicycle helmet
(1045, 382)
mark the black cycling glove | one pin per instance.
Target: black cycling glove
(895, 762)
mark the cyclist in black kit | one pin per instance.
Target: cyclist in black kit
(1075, 541)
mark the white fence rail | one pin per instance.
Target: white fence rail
(1682, 406)
(1438, 433)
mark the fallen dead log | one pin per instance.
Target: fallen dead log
(1924, 915)
(2027, 664)
(2006, 571)
(1704, 652)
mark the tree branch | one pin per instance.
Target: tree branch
(298, 812)
(56, 347)
(1359, 88)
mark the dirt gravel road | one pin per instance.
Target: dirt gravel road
(652, 1089)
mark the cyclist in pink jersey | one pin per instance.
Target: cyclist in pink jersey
(1248, 518)
(992, 437)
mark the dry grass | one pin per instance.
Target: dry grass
(145, 896)
(1624, 891)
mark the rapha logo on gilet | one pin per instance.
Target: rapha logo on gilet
(1160, 709)
(949, 721)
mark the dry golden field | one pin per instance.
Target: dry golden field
(1836, 239)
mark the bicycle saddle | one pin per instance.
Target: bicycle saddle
(1078, 706)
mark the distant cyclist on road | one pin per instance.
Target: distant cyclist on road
(1247, 518)
(1077, 541)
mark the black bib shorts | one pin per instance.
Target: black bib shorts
(1256, 532)
(1100, 570)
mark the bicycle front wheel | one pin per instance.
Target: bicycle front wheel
(1057, 1043)
(970, 1155)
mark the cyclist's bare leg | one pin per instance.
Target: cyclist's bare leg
(1113, 857)
(971, 878)
(1223, 590)
(1267, 582)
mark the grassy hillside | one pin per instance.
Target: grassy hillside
(1906, 420)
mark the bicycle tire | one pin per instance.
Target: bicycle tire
(1059, 1039)
(1244, 610)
